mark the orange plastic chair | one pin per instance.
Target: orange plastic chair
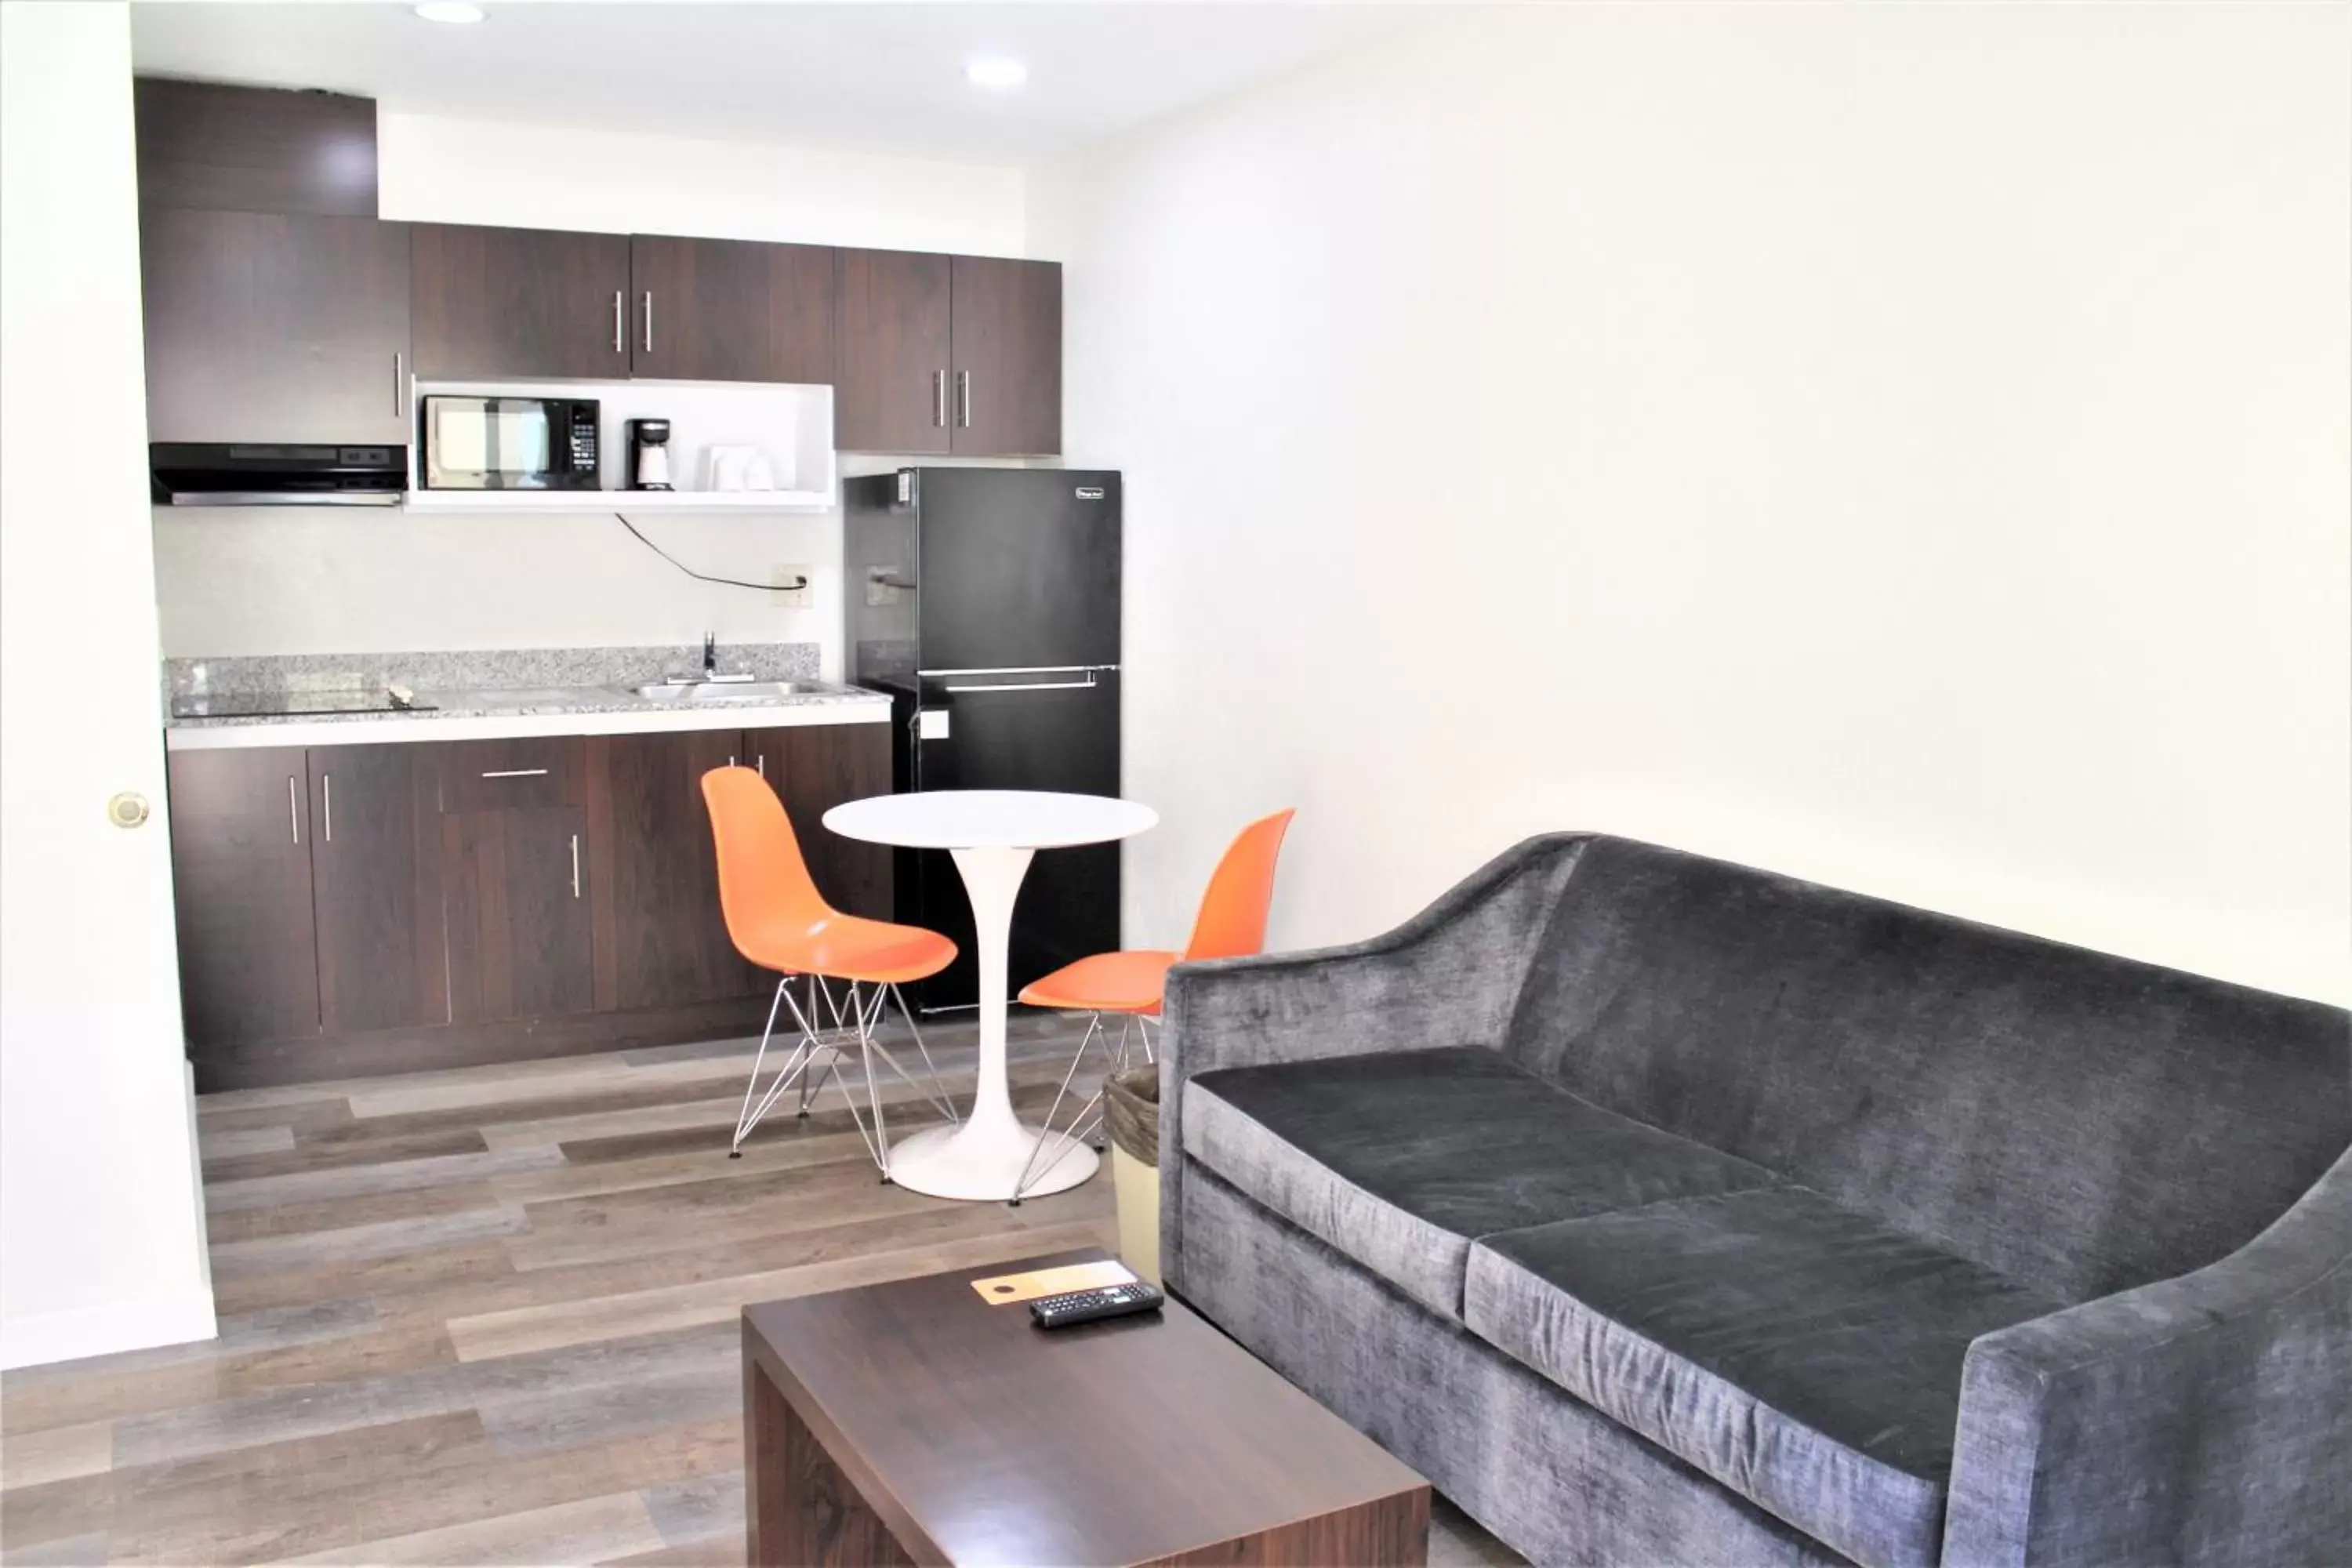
(1231, 924)
(779, 921)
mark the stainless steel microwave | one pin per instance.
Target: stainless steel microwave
(508, 443)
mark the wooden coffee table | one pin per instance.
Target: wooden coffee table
(914, 1422)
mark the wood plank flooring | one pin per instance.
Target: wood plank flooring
(488, 1316)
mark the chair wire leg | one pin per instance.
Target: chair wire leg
(1118, 1063)
(832, 1066)
(1046, 1130)
(939, 1087)
(867, 1048)
(793, 1066)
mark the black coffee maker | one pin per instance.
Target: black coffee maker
(648, 455)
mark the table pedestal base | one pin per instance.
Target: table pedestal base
(985, 1160)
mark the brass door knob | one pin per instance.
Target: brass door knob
(128, 809)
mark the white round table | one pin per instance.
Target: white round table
(992, 833)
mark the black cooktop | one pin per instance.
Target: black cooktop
(288, 704)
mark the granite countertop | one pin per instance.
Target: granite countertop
(521, 691)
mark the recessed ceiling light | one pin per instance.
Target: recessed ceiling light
(999, 72)
(456, 12)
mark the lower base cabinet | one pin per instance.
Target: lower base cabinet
(516, 873)
(241, 886)
(375, 888)
(515, 898)
(334, 901)
(660, 939)
(813, 769)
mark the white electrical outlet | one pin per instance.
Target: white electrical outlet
(792, 588)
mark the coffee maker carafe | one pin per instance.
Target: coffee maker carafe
(648, 454)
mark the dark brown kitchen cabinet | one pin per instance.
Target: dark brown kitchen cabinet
(891, 392)
(241, 895)
(253, 149)
(1006, 357)
(660, 940)
(813, 768)
(375, 873)
(730, 310)
(274, 326)
(507, 303)
(516, 866)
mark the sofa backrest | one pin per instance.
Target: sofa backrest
(2079, 1121)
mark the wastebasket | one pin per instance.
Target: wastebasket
(1131, 1107)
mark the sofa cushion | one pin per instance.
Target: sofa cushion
(2059, 1115)
(1402, 1158)
(1804, 1355)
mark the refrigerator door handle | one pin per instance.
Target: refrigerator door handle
(1021, 669)
(1085, 685)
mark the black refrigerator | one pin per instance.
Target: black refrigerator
(985, 602)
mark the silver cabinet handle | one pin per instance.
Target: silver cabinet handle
(575, 865)
(939, 398)
(759, 760)
(517, 773)
(293, 810)
(617, 346)
(327, 798)
(963, 394)
(399, 387)
(649, 321)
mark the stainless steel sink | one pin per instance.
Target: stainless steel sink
(708, 692)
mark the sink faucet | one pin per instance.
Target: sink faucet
(710, 663)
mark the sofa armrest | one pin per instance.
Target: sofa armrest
(2201, 1419)
(1449, 976)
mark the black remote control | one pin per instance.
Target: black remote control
(1087, 1306)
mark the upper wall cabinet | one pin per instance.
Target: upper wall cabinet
(1008, 357)
(276, 303)
(730, 310)
(274, 327)
(505, 303)
(253, 149)
(956, 354)
(891, 393)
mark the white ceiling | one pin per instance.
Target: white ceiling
(874, 76)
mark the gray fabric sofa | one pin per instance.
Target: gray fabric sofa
(1663, 1211)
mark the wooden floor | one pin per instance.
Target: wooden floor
(488, 1316)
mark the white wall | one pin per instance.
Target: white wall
(1902, 446)
(102, 1237)
(323, 580)
(436, 169)
(343, 580)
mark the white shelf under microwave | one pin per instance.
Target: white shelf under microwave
(624, 501)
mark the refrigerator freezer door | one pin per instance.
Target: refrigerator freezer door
(1047, 733)
(1019, 568)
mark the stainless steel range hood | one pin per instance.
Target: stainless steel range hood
(189, 473)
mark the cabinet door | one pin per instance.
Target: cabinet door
(516, 872)
(515, 888)
(730, 310)
(891, 393)
(241, 893)
(504, 303)
(274, 326)
(814, 767)
(660, 938)
(376, 889)
(1008, 357)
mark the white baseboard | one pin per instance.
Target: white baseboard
(37, 1338)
